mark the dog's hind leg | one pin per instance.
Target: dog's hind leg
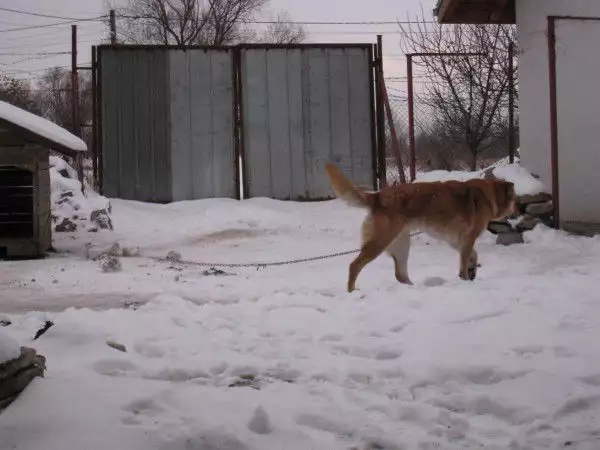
(473, 265)
(469, 261)
(377, 235)
(399, 250)
(468, 258)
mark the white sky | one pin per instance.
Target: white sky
(19, 50)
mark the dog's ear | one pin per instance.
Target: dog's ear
(505, 192)
(509, 191)
(500, 192)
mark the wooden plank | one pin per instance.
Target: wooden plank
(180, 125)
(44, 219)
(223, 180)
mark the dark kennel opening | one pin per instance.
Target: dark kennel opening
(16, 202)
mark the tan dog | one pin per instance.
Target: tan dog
(454, 211)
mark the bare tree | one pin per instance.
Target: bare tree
(283, 31)
(54, 98)
(186, 22)
(467, 95)
(199, 22)
(438, 149)
(18, 93)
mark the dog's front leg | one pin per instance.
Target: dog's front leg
(468, 259)
(399, 250)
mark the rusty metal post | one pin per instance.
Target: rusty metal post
(511, 102)
(99, 132)
(113, 27)
(239, 107)
(74, 84)
(94, 120)
(237, 123)
(372, 115)
(411, 117)
(553, 119)
(381, 165)
(75, 119)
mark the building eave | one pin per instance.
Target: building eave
(475, 11)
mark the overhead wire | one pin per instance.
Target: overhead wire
(101, 34)
(47, 25)
(37, 14)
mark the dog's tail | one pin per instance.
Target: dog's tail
(347, 191)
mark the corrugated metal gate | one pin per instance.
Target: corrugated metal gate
(174, 124)
(202, 146)
(301, 108)
(166, 122)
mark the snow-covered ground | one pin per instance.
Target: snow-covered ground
(282, 358)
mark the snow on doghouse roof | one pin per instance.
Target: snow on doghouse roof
(40, 130)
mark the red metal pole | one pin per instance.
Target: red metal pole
(76, 125)
(511, 102)
(99, 132)
(113, 27)
(553, 118)
(380, 115)
(74, 83)
(411, 116)
(94, 119)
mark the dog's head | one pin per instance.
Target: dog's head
(506, 199)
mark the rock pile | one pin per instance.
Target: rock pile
(71, 209)
(533, 209)
(16, 374)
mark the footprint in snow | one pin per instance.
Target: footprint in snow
(528, 351)
(114, 367)
(434, 281)
(577, 405)
(381, 354)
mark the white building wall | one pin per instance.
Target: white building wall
(578, 98)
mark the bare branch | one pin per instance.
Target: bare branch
(466, 95)
(283, 31)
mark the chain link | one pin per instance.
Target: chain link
(258, 266)
(261, 265)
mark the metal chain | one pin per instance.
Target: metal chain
(258, 265)
(261, 265)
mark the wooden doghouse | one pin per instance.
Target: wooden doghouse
(25, 144)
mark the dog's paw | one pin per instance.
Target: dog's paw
(472, 273)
